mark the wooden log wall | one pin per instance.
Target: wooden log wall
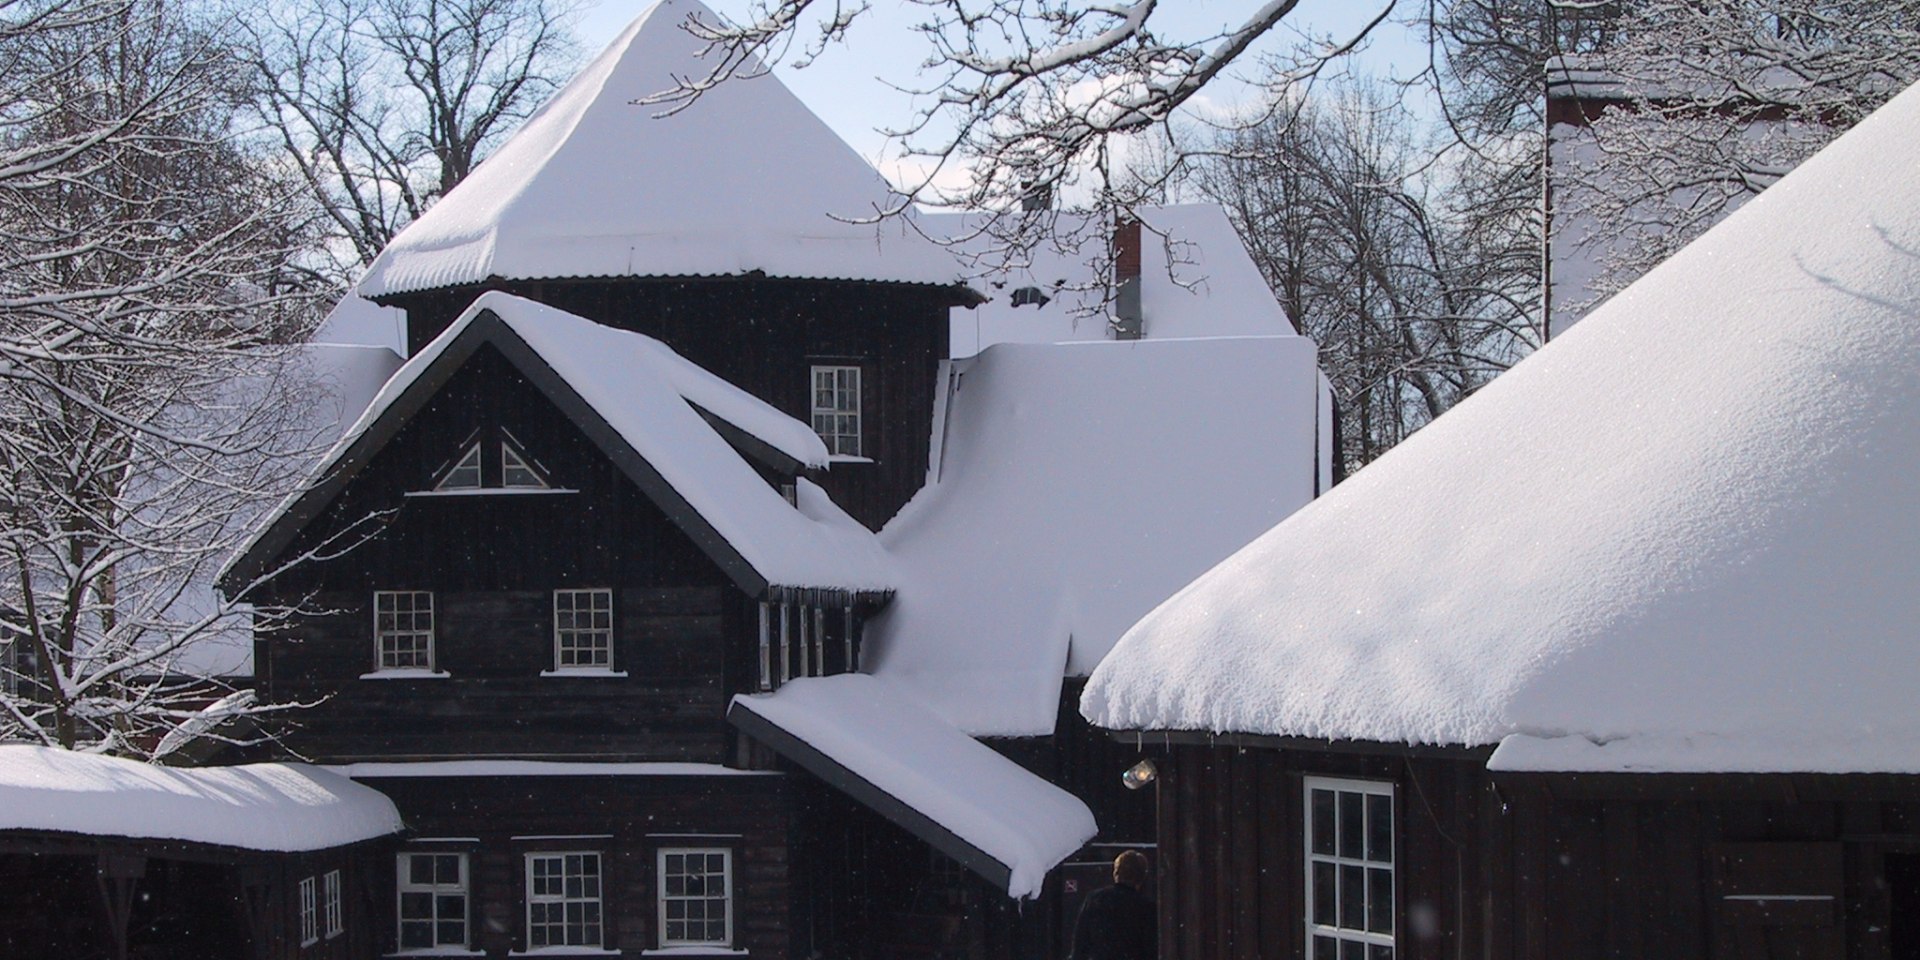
(1549, 867)
(497, 821)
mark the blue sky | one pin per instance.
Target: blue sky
(847, 86)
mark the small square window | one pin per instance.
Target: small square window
(403, 629)
(583, 629)
(836, 408)
(433, 900)
(696, 897)
(563, 900)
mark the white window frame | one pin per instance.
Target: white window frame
(513, 455)
(381, 634)
(435, 890)
(460, 465)
(309, 914)
(662, 897)
(839, 421)
(1340, 860)
(597, 901)
(561, 633)
(332, 907)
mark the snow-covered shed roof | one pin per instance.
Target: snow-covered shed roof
(873, 741)
(357, 321)
(1076, 486)
(1196, 280)
(595, 185)
(662, 419)
(260, 806)
(1682, 537)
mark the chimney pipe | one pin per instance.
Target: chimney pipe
(1128, 323)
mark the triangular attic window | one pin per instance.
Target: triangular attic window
(515, 472)
(465, 474)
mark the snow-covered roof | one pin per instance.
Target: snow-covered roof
(1683, 536)
(875, 742)
(651, 399)
(259, 806)
(1196, 280)
(385, 770)
(357, 321)
(594, 185)
(1078, 485)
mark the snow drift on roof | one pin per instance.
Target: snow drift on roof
(1691, 523)
(865, 735)
(594, 185)
(357, 321)
(1079, 485)
(647, 394)
(1196, 280)
(259, 806)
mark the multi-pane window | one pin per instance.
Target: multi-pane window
(836, 408)
(696, 897)
(1349, 882)
(309, 915)
(516, 473)
(403, 629)
(583, 629)
(465, 474)
(563, 900)
(330, 900)
(433, 900)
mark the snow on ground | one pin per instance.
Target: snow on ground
(884, 736)
(594, 185)
(646, 393)
(1684, 533)
(1196, 280)
(260, 806)
(1079, 485)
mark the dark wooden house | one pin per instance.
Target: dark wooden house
(1615, 659)
(588, 585)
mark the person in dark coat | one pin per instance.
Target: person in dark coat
(1119, 922)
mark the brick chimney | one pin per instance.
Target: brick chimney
(1128, 322)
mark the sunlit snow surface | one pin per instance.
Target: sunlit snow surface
(1682, 537)
(260, 806)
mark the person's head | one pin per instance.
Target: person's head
(1130, 869)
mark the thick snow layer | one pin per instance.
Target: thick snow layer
(1196, 280)
(1079, 485)
(882, 735)
(595, 185)
(1688, 528)
(357, 321)
(259, 806)
(534, 768)
(647, 393)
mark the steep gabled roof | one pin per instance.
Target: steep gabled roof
(658, 416)
(1682, 537)
(744, 180)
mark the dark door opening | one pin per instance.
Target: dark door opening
(1903, 914)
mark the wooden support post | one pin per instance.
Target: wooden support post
(820, 639)
(847, 615)
(766, 649)
(786, 643)
(806, 652)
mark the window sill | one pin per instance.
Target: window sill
(564, 952)
(842, 458)
(410, 673)
(584, 672)
(438, 952)
(491, 492)
(694, 952)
